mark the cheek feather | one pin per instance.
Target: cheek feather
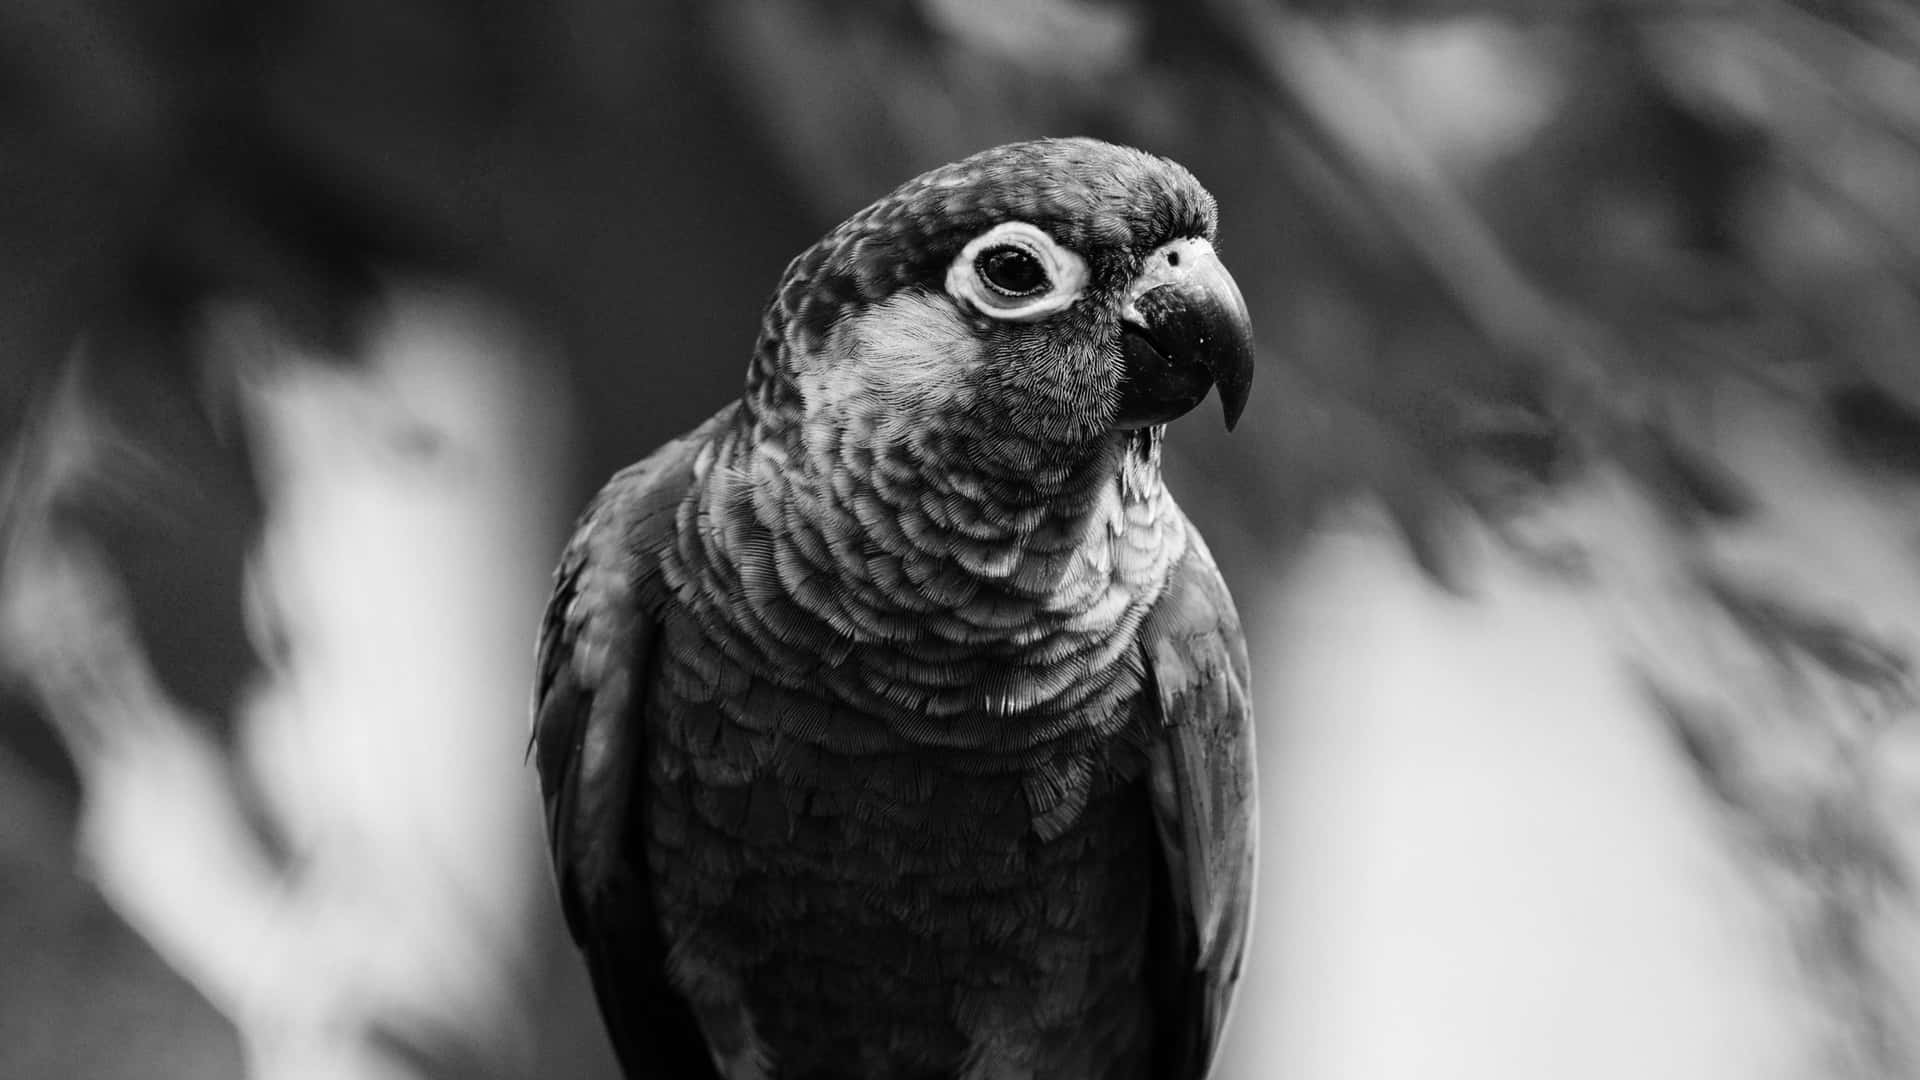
(909, 354)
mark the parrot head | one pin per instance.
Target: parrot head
(1056, 291)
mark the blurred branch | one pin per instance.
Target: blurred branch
(1512, 9)
(1809, 84)
(1399, 178)
(1840, 114)
(66, 632)
(1596, 396)
(1525, 10)
(412, 511)
(1791, 688)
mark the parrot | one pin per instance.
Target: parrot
(895, 721)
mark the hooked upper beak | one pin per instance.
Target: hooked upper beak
(1184, 328)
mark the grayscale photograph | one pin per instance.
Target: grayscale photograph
(959, 540)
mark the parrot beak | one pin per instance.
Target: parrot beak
(1184, 328)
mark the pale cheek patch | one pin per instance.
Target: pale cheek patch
(905, 356)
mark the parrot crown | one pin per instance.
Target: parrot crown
(1111, 204)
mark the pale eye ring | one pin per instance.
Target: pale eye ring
(1015, 271)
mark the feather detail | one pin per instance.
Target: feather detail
(1200, 774)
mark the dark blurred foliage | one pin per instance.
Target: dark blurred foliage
(1696, 192)
(583, 161)
(582, 158)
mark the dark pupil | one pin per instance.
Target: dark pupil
(1012, 271)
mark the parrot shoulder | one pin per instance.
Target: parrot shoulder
(593, 667)
(1200, 770)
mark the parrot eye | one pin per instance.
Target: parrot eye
(1011, 270)
(1016, 272)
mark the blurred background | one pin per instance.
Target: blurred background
(1575, 519)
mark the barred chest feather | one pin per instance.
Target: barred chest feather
(897, 748)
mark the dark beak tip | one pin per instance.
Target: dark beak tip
(1230, 360)
(1233, 378)
(1231, 406)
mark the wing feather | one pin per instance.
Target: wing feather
(1200, 771)
(595, 665)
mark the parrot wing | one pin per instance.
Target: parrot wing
(595, 662)
(1200, 769)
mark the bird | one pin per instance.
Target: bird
(895, 721)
